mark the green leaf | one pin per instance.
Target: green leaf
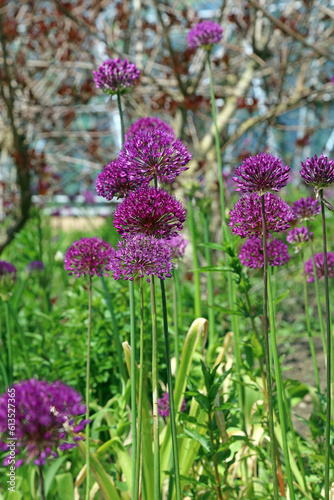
(65, 486)
(51, 473)
(202, 440)
(281, 297)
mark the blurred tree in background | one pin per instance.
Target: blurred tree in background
(273, 87)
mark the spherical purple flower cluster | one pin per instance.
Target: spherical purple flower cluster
(178, 245)
(116, 76)
(155, 153)
(299, 236)
(141, 256)
(88, 256)
(306, 209)
(251, 253)
(246, 217)
(147, 124)
(319, 265)
(261, 173)
(115, 181)
(44, 420)
(149, 211)
(204, 34)
(7, 278)
(163, 405)
(318, 171)
(36, 265)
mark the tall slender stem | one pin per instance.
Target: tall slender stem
(266, 350)
(219, 158)
(156, 454)
(87, 389)
(171, 394)
(211, 312)
(280, 389)
(133, 385)
(197, 299)
(308, 325)
(317, 292)
(41, 481)
(119, 103)
(329, 351)
(119, 350)
(9, 344)
(176, 322)
(215, 462)
(140, 396)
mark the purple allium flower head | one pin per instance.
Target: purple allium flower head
(88, 256)
(7, 278)
(116, 76)
(115, 181)
(251, 253)
(318, 171)
(261, 173)
(246, 217)
(306, 209)
(141, 256)
(163, 405)
(45, 415)
(149, 211)
(147, 124)
(178, 245)
(319, 265)
(35, 265)
(204, 35)
(298, 237)
(154, 153)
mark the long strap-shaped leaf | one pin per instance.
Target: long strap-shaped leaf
(104, 481)
(198, 327)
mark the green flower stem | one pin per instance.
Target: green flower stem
(9, 344)
(308, 325)
(171, 395)
(267, 352)
(197, 304)
(119, 103)
(156, 454)
(87, 389)
(176, 321)
(280, 389)
(133, 385)
(140, 396)
(211, 312)
(317, 292)
(2, 363)
(329, 352)
(219, 158)
(119, 351)
(41, 480)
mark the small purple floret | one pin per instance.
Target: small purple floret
(141, 256)
(163, 405)
(147, 124)
(178, 245)
(318, 171)
(205, 34)
(149, 211)
(306, 209)
(44, 413)
(88, 256)
(261, 173)
(116, 76)
(246, 217)
(251, 253)
(115, 182)
(319, 265)
(154, 153)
